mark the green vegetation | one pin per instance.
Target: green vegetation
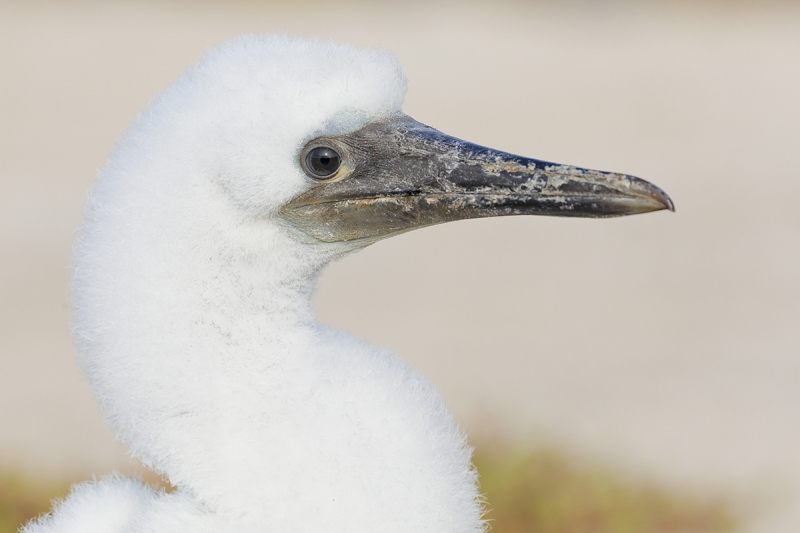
(22, 498)
(539, 491)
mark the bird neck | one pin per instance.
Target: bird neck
(197, 332)
(188, 319)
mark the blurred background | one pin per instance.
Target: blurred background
(663, 346)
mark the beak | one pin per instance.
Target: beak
(398, 174)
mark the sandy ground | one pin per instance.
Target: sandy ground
(666, 343)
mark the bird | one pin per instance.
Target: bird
(193, 272)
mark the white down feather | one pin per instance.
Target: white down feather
(195, 327)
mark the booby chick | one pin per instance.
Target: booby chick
(193, 275)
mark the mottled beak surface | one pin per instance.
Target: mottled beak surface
(398, 174)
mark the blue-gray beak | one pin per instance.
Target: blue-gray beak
(397, 174)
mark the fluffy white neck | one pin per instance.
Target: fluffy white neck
(214, 371)
(194, 322)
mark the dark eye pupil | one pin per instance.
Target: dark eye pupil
(323, 162)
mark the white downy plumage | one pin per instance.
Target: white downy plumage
(194, 322)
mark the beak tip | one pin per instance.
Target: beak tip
(661, 197)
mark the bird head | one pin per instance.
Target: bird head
(310, 136)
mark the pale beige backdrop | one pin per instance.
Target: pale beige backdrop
(668, 343)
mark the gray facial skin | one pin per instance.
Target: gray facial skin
(398, 174)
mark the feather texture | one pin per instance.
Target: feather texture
(195, 327)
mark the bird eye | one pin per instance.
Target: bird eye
(323, 162)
